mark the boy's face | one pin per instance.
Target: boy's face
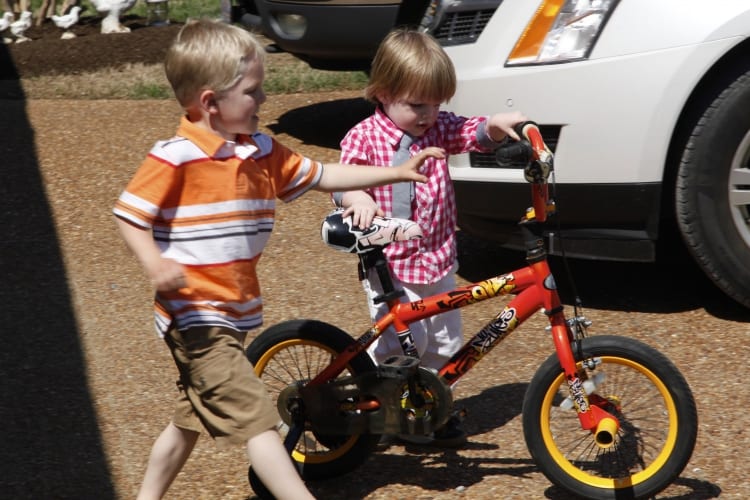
(239, 106)
(413, 116)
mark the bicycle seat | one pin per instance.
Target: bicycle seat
(340, 233)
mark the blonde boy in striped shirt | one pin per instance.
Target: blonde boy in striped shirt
(197, 215)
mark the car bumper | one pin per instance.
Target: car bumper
(612, 222)
(304, 28)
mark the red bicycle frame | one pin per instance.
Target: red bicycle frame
(535, 289)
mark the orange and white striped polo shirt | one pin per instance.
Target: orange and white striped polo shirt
(210, 204)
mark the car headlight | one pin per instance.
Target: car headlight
(292, 25)
(561, 31)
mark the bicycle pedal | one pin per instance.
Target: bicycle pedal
(401, 367)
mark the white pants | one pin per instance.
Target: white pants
(436, 338)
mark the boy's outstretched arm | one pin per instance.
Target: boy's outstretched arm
(340, 177)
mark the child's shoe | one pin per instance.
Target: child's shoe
(450, 435)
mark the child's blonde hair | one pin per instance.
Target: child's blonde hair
(208, 54)
(411, 64)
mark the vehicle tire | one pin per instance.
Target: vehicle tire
(713, 191)
(295, 351)
(651, 400)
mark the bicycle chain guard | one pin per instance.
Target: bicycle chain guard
(400, 397)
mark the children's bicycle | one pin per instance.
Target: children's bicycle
(603, 417)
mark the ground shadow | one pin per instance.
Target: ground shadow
(50, 445)
(450, 471)
(695, 490)
(673, 283)
(492, 408)
(442, 469)
(437, 471)
(323, 124)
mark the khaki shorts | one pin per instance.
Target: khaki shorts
(219, 390)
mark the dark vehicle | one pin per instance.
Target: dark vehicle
(344, 34)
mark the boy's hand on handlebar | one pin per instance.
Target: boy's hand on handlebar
(409, 170)
(362, 208)
(500, 125)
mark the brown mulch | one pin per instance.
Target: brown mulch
(86, 385)
(47, 54)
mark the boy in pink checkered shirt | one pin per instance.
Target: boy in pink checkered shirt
(411, 77)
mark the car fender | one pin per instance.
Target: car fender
(647, 90)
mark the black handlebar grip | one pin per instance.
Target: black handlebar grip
(515, 152)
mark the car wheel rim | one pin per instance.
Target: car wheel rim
(739, 189)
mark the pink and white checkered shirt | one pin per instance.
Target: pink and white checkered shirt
(374, 141)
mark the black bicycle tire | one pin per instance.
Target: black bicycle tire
(336, 340)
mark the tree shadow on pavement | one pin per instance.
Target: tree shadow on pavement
(51, 446)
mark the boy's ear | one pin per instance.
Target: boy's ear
(382, 97)
(207, 101)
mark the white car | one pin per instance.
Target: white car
(647, 106)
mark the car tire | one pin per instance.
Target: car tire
(713, 190)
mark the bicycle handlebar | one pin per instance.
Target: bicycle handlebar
(538, 159)
(530, 131)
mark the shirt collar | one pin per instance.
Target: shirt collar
(214, 145)
(391, 131)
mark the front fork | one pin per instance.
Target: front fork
(567, 336)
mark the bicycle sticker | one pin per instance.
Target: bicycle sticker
(495, 331)
(418, 305)
(500, 285)
(365, 338)
(481, 344)
(406, 340)
(487, 289)
(576, 390)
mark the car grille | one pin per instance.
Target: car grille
(457, 28)
(550, 134)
